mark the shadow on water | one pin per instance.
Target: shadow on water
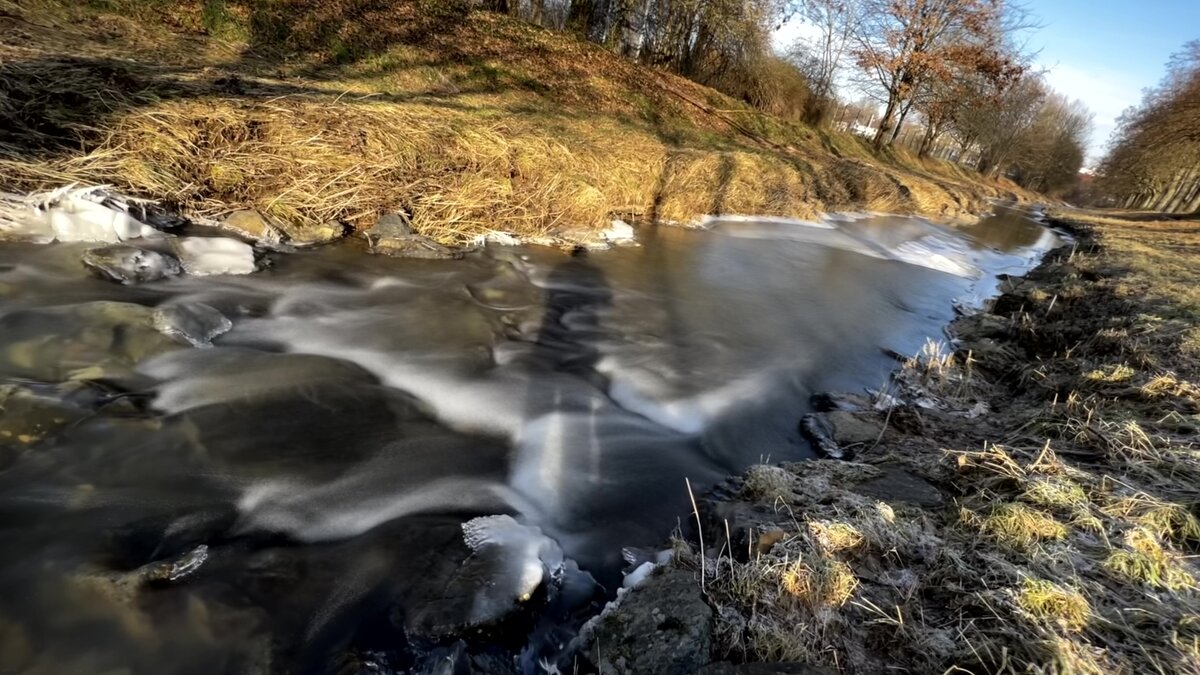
(576, 292)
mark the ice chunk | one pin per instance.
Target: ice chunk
(523, 556)
(70, 214)
(204, 256)
(619, 233)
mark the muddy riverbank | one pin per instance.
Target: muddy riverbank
(1024, 501)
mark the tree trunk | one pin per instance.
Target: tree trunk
(1193, 203)
(927, 141)
(539, 11)
(885, 122)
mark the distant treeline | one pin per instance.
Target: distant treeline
(1154, 160)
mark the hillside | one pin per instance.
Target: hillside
(463, 122)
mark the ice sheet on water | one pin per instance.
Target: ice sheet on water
(71, 213)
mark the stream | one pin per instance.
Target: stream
(292, 497)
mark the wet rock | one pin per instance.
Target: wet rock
(192, 322)
(168, 536)
(262, 229)
(252, 225)
(393, 235)
(173, 570)
(203, 256)
(662, 627)
(87, 341)
(839, 433)
(412, 246)
(127, 264)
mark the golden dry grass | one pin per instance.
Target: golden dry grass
(483, 125)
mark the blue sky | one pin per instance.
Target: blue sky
(1105, 52)
(1102, 52)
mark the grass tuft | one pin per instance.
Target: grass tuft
(1019, 526)
(1052, 603)
(1145, 561)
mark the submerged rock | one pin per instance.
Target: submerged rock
(203, 256)
(28, 417)
(193, 322)
(663, 627)
(127, 264)
(87, 341)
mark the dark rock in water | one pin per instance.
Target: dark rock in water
(193, 322)
(168, 536)
(128, 264)
(509, 562)
(663, 627)
(838, 433)
(179, 568)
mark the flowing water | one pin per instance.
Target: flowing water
(301, 484)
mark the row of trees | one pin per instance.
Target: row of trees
(956, 66)
(952, 64)
(1154, 160)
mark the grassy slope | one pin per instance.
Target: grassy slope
(477, 124)
(1062, 536)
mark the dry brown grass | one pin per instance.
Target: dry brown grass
(481, 125)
